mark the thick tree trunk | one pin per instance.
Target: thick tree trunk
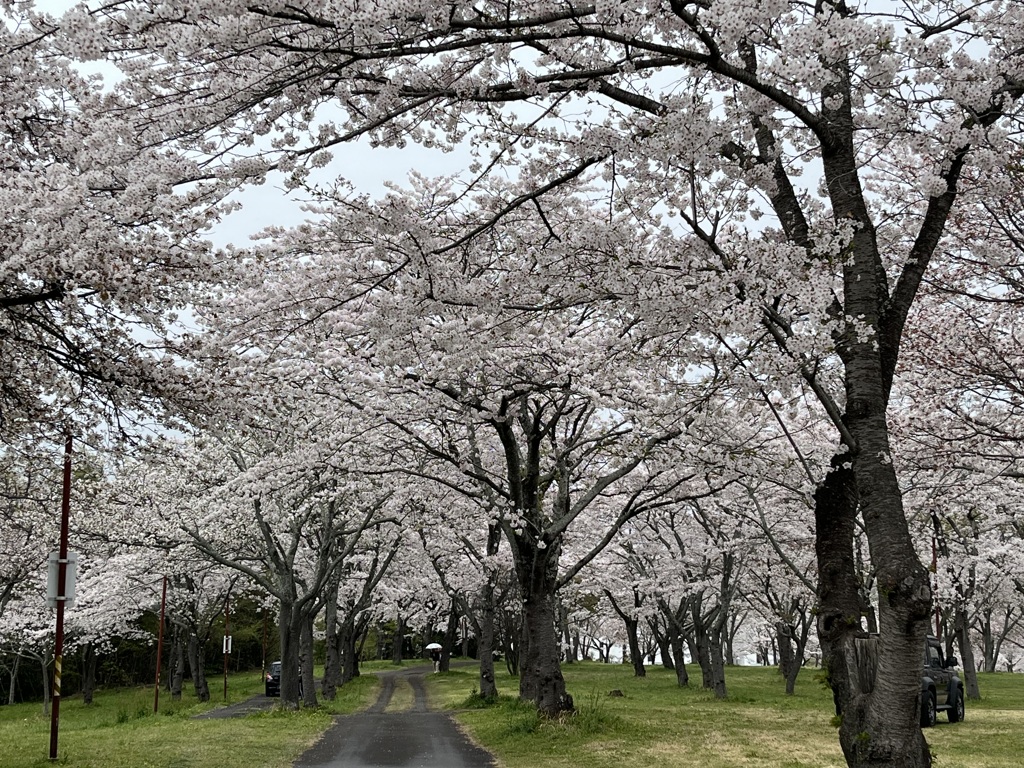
(398, 640)
(703, 657)
(682, 676)
(718, 664)
(730, 637)
(789, 664)
(708, 641)
(988, 644)
(449, 640)
(485, 641)
(540, 673)
(290, 629)
(89, 673)
(861, 703)
(882, 728)
(664, 645)
(635, 654)
(332, 661)
(197, 666)
(348, 650)
(177, 676)
(879, 727)
(961, 629)
(540, 679)
(306, 661)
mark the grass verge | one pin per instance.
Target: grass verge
(656, 724)
(119, 730)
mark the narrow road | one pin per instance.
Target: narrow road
(416, 738)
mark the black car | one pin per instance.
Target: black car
(941, 688)
(273, 679)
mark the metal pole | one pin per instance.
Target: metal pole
(160, 646)
(62, 572)
(227, 634)
(935, 581)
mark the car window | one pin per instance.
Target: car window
(934, 657)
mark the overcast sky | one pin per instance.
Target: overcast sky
(366, 168)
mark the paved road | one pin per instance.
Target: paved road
(412, 739)
(239, 709)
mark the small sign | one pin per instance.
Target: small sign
(227, 644)
(52, 576)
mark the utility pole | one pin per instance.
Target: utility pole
(160, 646)
(62, 573)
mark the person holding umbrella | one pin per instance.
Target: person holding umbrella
(435, 655)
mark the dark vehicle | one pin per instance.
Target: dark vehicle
(273, 680)
(941, 687)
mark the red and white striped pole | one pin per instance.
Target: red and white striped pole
(62, 573)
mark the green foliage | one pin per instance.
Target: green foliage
(593, 717)
(476, 701)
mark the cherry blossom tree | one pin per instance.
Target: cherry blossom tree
(472, 569)
(286, 516)
(29, 488)
(522, 420)
(100, 244)
(707, 111)
(349, 608)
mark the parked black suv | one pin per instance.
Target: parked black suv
(273, 679)
(941, 688)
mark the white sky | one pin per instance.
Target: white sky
(367, 169)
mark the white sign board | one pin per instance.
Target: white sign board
(52, 574)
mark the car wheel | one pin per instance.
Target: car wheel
(927, 709)
(958, 711)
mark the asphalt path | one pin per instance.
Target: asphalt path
(240, 709)
(416, 738)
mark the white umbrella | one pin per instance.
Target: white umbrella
(433, 646)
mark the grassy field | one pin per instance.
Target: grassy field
(119, 730)
(655, 724)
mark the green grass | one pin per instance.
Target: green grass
(658, 725)
(119, 730)
(653, 725)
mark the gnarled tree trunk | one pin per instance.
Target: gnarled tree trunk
(540, 673)
(197, 666)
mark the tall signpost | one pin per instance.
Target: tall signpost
(160, 647)
(61, 596)
(227, 641)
